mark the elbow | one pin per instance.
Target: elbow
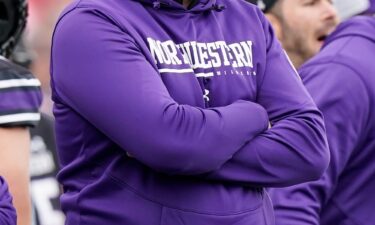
(317, 159)
(313, 163)
(316, 165)
(310, 170)
(319, 165)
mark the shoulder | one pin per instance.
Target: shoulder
(347, 60)
(330, 71)
(20, 96)
(108, 9)
(336, 83)
(10, 70)
(16, 77)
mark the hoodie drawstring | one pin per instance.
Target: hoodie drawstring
(156, 4)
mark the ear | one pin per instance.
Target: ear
(276, 25)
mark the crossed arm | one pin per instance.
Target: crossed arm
(217, 143)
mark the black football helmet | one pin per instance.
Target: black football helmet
(13, 14)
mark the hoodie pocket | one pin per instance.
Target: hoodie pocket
(172, 216)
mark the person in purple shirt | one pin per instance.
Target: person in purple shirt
(341, 80)
(7, 212)
(162, 110)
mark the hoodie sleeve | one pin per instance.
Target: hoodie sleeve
(295, 149)
(7, 211)
(100, 72)
(341, 95)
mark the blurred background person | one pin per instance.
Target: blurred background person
(20, 99)
(33, 53)
(300, 25)
(341, 80)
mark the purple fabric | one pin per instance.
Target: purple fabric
(20, 100)
(188, 94)
(341, 80)
(371, 9)
(7, 212)
(20, 96)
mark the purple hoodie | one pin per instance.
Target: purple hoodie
(341, 79)
(7, 212)
(188, 93)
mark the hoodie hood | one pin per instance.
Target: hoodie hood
(363, 26)
(199, 6)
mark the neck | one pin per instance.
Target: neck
(296, 59)
(186, 3)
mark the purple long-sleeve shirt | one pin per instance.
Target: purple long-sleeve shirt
(188, 93)
(341, 79)
(7, 212)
